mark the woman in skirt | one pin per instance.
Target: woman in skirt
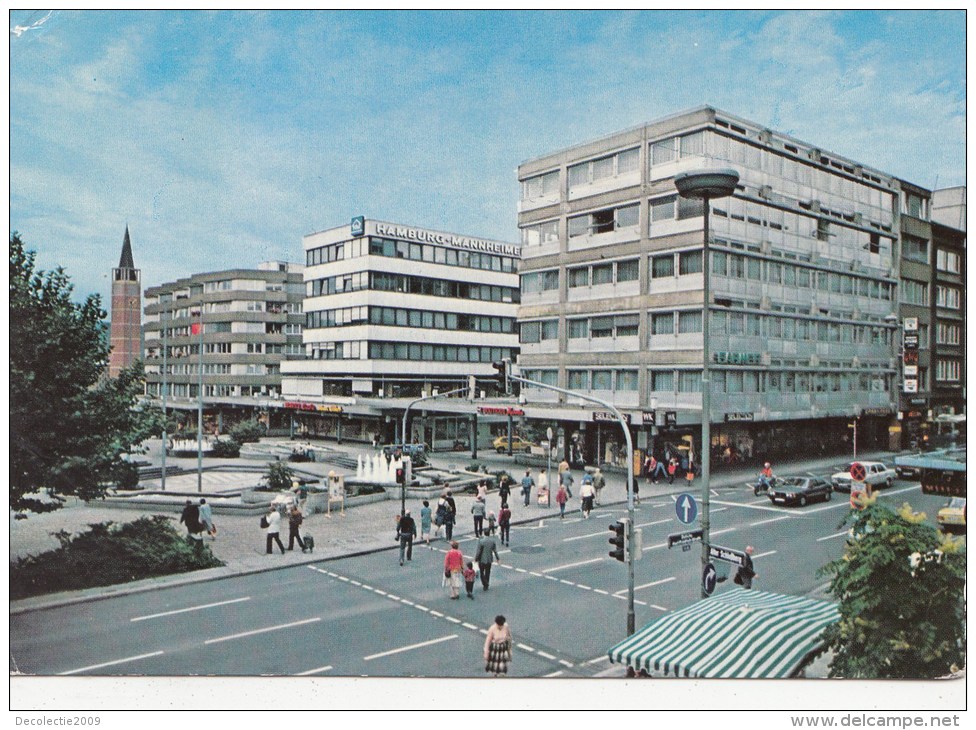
(498, 647)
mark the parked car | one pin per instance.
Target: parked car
(877, 475)
(799, 490)
(953, 515)
(501, 444)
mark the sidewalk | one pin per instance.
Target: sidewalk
(367, 528)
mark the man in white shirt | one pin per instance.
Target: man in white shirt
(274, 527)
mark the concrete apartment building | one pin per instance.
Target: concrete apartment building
(805, 317)
(251, 322)
(393, 312)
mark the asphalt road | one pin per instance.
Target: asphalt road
(563, 596)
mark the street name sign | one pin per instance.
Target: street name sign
(684, 538)
(728, 555)
(686, 508)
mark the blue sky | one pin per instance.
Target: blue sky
(221, 138)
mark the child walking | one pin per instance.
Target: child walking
(469, 579)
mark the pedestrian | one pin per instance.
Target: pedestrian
(690, 473)
(587, 495)
(469, 575)
(498, 647)
(191, 518)
(745, 573)
(657, 470)
(527, 483)
(544, 486)
(504, 523)
(406, 532)
(636, 491)
(440, 515)
(491, 522)
(450, 514)
(563, 467)
(566, 479)
(561, 499)
(648, 467)
(483, 490)
(273, 519)
(672, 468)
(425, 522)
(478, 510)
(206, 519)
(503, 489)
(599, 482)
(487, 546)
(295, 520)
(453, 566)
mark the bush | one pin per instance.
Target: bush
(226, 449)
(279, 476)
(474, 467)
(108, 554)
(126, 476)
(247, 432)
(370, 489)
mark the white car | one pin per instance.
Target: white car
(876, 474)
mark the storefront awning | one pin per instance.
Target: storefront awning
(737, 634)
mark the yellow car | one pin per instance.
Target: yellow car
(953, 515)
(501, 445)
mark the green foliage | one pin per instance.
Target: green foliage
(226, 449)
(126, 476)
(70, 424)
(900, 587)
(279, 476)
(107, 554)
(247, 432)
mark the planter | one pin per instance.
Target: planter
(253, 496)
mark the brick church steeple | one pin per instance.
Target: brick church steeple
(126, 320)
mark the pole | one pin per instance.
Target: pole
(855, 438)
(509, 434)
(631, 627)
(706, 428)
(200, 408)
(162, 478)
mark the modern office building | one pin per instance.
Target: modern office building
(949, 354)
(251, 321)
(804, 273)
(393, 312)
(125, 334)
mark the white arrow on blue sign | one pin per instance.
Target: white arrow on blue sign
(686, 508)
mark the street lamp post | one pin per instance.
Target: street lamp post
(199, 326)
(162, 476)
(705, 185)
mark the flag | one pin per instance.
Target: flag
(197, 326)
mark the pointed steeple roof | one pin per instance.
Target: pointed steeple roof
(126, 261)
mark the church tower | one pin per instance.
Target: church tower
(125, 334)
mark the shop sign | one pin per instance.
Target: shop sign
(649, 417)
(670, 418)
(914, 414)
(357, 226)
(911, 385)
(604, 416)
(303, 406)
(911, 370)
(918, 401)
(742, 416)
(500, 411)
(910, 341)
(911, 324)
(737, 358)
(910, 357)
(876, 412)
(446, 239)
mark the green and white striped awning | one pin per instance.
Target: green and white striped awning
(736, 634)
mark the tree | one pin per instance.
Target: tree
(900, 587)
(70, 424)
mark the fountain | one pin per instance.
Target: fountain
(359, 467)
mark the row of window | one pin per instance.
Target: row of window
(396, 249)
(947, 370)
(610, 272)
(946, 334)
(948, 261)
(381, 281)
(438, 353)
(191, 368)
(398, 317)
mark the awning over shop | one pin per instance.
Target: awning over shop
(737, 634)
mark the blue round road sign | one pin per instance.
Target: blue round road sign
(709, 578)
(686, 508)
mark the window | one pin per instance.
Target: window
(915, 205)
(914, 292)
(662, 266)
(626, 325)
(604, 221)
(662, 209)
(579, 380)
(540, 281)
(579, 277)
(601, 327)
(532, 235)
(947, 296)
(947, 370)
(628, 270)
(662, 380)
(578, 329)
(668, 150)
(604, 168)
(690, 262)
(690, 208)
(602, 274)
(690, 381)
(541, 186)
(627, 380)
(689, 322)
(916, 249)
(665, 151)
(602, 379)
(530, 333)
(662, 323)
(947, 261)
(947, 334)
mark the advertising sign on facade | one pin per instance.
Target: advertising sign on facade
(911, 385)
(603, 416)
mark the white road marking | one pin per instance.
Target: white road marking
(597, 660)
(659, 608)
(470, 626)
(572, 565)
(600, 590)
(772, 519)
(405, 602)
(719, 509)
(409, 648)
(191, 608)
(382, 593)
(649, 524)
(436, 613)
(554, 674)
(565, 663)
(314, 671)
(648, 585)
(567, 582)
(422, 608)
(583, 537)
(750, 506)
(763, 555)
(524, 647)
(262, 631)
(521, 570)
(109, 664)
(544, 655)
(585, 588)
(453, 620)
(831, 537)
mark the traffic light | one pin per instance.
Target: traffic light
(501, 377)
(401, 475)
(621, 536)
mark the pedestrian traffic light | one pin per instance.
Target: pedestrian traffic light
(621, 534)
(502, 366)
(401, 475)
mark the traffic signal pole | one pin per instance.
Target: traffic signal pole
(631, 628)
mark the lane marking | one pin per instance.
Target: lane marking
(572, 565)
(720, 509)
(453, 620)
(191, 608)
(469, 626)
(544, 655)
(831, 537)
(583, 537)
(554, 674)
(763, 555)
(751, 506)
(436, 613)
(525, 647)
(521, 570)
(382, 593)
(648, 585)
(567, 582)
(409, 648)
(585, 588)
(600, 590)
(648, 524)
(262, 631)
(565, 663)
(659, 608)
(314, 671)
(110, 664)
(599, 659)
(772, 519)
